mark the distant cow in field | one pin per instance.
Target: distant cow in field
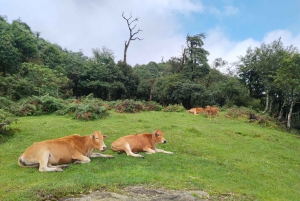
(145, 142)
(53, 155)
(212, 111)
(196, 110)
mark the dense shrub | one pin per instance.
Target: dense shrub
(5, 103)
(38, 105)
(174, 108)
(87, 108)
(152, 106)
(6, 119)
(129, 106)
(239, 112)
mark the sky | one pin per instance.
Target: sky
(230, 26)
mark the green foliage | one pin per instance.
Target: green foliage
(6, 119)
(151, 106)
(239, 112)
(174, 108)
(88, 108)
(129, 106)
(5, 103)
(37, 105)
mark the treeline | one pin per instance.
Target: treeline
(267, 78)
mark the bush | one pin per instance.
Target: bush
(38, 105)
(5, 103)
(129, 106)
(239, 112)
(6, 118)
(174, 108)
(88, 108)
(152, 106)
(89, 112)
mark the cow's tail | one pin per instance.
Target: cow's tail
(23, 164)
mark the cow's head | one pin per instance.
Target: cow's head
(159, 136)
(97, 141)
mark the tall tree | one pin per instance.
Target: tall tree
(288, 77)
(10, 57)
(248, 72)
(196, 56)
(132, 34)
(148, 74)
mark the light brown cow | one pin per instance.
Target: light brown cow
(212, 111)
(140, 142)
(196, 110)
(61, 151)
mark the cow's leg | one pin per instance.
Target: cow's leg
(81, 158)
(149, 151)
(58, 166)
(130, 153)
(94, 155)
(163, 151)
(44, 166)
(217, 117)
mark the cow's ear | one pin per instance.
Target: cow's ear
(92, 136)
(104, 136)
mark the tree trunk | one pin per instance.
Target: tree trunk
(151, 90)
(290, 115)
(267, 102)
(270, 105)
(281, 110)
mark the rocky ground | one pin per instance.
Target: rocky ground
(139, 193)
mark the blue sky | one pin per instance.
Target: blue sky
(231, 26)
(247, 18)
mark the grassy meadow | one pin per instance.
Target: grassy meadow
(231, 157)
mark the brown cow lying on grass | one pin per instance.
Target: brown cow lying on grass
(196, 110)
(140, 142)
(212, 111)
(59, 152)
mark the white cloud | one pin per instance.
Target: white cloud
(286, 37)
(225, 11)
(83, 25)
(219, 46)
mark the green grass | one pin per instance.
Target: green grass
(232, 157)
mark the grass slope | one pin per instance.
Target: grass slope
(231, 157)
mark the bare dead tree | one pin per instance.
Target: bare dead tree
(132, 34)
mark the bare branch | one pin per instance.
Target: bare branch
(131, 34)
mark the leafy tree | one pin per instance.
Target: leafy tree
(148, 74)
(249, 74)
(288, 77)
(130, 81)
(196, 56)
(75, 64)
(10, 56)
(25, 40)
(52, 56)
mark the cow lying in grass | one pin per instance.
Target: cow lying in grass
(196, 110)
(145, 142)
(53, 155)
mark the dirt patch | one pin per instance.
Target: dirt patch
(139, 193)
